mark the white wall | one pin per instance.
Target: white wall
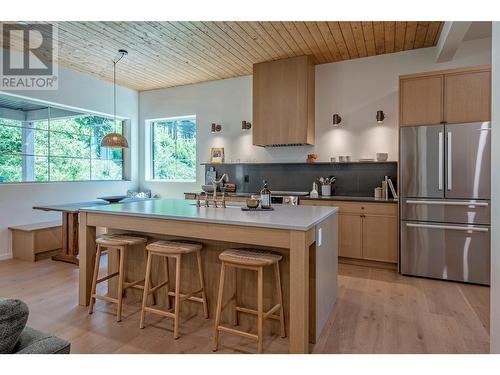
(355, 89)
(495, 196)
(84, 92)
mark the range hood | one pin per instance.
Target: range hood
(283, 102)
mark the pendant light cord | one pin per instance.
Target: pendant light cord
(116, 61)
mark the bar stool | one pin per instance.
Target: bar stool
(120, 243)
(255, 260)
(175, 250)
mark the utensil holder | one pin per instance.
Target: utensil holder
(326, 190)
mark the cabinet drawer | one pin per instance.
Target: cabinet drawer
(385, 209)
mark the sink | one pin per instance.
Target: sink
(228, 205)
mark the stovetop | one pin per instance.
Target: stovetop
(290, 193)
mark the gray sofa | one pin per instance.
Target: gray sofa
(16, 338)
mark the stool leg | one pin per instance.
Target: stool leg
(153, 296)
(94, 279)
(177, 306)
(218, 309)
(120, 283)
(260, 309)
(235, 296)
(146, 289)
(202, 284)
(167, 279)
(280, 298)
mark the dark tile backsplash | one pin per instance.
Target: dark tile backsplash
(355, 179)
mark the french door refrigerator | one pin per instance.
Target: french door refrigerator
(445, 201)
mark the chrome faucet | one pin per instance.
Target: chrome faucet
(204, 196)
(223, 178)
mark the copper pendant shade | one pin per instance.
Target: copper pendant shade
(115, 140)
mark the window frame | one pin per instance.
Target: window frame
(149, 172)
(125, 125)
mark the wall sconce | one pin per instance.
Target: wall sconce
(216, 128)
(245, 125)
(380, 116)
(336, 120)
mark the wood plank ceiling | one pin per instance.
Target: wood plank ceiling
(166, 54)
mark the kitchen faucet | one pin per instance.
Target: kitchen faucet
(224, 177)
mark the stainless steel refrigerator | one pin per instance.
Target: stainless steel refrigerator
(445, 201)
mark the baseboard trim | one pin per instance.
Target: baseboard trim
(5, 256)
(368, 263)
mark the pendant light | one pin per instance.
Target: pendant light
(115, 140)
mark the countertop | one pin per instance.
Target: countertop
(350, 199)
(75, 207)
(283, 217)
(324, 198)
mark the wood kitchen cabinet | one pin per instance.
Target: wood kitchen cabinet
(367, 231)
(467, 97)
(380, 238)
(422, 101)
(350, 236)
(449, 97)
(283, 102)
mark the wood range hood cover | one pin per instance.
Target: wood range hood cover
(283, 102)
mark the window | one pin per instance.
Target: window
(39, 143)
(173, 149)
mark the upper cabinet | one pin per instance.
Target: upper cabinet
(421, 101)
(283, 102)
(452, 96)
(467, 97)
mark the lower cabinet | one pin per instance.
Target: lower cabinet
(380, 238)
(350, 229)
(367, 231)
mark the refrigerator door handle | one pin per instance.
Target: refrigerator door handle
(449, 182)
(470, 204)
(448, 227)
(440, 161)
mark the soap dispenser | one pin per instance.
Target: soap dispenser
(314, 191)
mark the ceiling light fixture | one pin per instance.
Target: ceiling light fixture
(115, 140)
(336, 119)
(380, 116)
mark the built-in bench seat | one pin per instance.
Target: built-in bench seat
(36, 241)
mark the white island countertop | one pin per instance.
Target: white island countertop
(283, 216)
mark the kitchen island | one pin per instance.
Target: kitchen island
(306, 236)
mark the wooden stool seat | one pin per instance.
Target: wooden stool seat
(173, 247)
(119, 240)
(250, 257)
(176, 250)
(120, 243)
(254, 260)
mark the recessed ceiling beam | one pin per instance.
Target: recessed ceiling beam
(452, 35)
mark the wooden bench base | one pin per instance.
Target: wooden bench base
(36, 241)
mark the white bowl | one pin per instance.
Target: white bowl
(382, 156)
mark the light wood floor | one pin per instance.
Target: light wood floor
(378, 311)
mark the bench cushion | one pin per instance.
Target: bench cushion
(13, 317)
(32, 341)
(37, 226)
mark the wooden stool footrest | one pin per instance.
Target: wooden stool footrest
(133, 284)
(250, 336)
(266, 315)
(152, 290)
(189, 297)
(160, 312)
(107, 277)
(105, 298)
